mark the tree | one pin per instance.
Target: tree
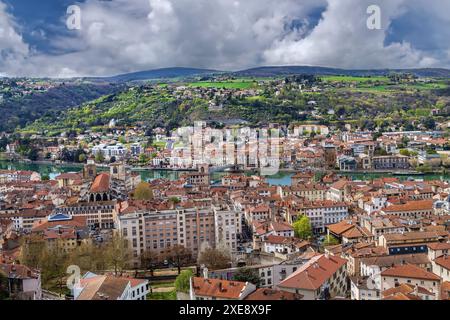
(4, 287)
(82, 158)
(88, 257)
(248, 275)
(405, 152)
(302, 228)
(143, 158)
(54, 265)
(143, 191)
(182, 282)
(174, 200)
(149, 260)
(330, 241)
(99, 157)
(33, 154)
(32, 251)
(178, 256)
(117, 253)
(214, 259)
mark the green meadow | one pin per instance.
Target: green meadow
(234, 84)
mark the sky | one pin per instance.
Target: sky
(120, 36)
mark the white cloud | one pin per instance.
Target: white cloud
(342, 39)
(12, 46)
(128, 35)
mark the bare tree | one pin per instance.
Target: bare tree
(149, 260)
(179, 256)
(215, 258)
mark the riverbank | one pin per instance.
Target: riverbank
(282, 178)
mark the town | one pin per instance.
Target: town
(360, 215)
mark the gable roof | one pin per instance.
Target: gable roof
(314, 273)
(410, 271)
(101, 183)
(218, 288)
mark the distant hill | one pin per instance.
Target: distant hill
(19, 112)
(165, 73)
(173, 73)
(292, 70)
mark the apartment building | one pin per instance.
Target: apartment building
(411, 275)
(411, 209)
(310, 192)
(147, 228)
(101, 214)
(390, 162)
(322, 277)
(320, 213)
(227, 225)
(411, 242)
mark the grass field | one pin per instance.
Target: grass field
(171, 295)
(354, 79)
(235, 84)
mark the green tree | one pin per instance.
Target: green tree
(99, 157)
(330, 241)
(302, 228)
(248, 275)
(182, 282)
(143, 158)
(405, 152)
(82, 158)
(143, 191)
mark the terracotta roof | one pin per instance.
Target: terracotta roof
(445, 290)
(44, 224)
(273, 294)
(410, 271)
(443, 261)
(18, 271)
(439, 246)
(69, 176)
(390, 260)
(411, 206)
(101, 183)
(281, 226)
(341, 227)
(406, 289)
(103, 288)
(314, 273)
(218, 288)
(414, 236)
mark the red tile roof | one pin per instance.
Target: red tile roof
(101, 183)
(410, 271)
(218, 288)
(314, 273)
(273, 294)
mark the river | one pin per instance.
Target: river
(282, 178)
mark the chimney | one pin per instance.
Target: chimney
(416, 289)
(205, 272)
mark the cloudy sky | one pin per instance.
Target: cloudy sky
(119, 36)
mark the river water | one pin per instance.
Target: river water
(282, 178)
